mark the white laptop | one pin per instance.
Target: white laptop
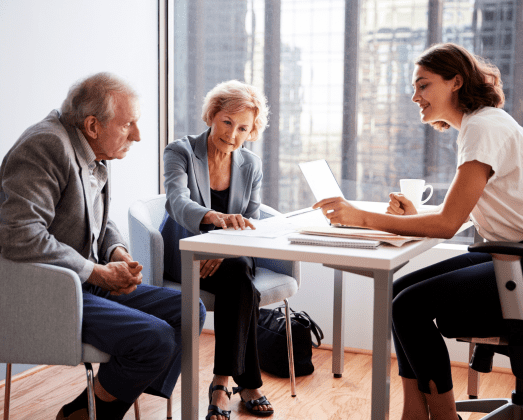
(321, 181)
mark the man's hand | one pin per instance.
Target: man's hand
(120, 254)
(120, 276)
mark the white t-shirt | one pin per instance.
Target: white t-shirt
(491, 136)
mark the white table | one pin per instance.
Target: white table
(379, 264)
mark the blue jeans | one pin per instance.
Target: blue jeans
(142, 333)
(462, 296)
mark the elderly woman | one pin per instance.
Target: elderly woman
(213, 182)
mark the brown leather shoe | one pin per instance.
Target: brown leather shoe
(77, 415)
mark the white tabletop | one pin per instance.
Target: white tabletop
(385, 257)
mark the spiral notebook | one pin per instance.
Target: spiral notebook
(302, 239)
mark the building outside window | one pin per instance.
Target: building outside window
(337, 74)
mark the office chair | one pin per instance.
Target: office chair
(508, 268)
(41, 313)
(275, 280)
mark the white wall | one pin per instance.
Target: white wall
(45, 46)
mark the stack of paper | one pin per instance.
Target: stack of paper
(377, 235)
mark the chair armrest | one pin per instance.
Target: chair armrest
(41, 314)
(146, 244)
(289, 268)
(507, 248)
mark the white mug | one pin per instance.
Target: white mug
(413, 189)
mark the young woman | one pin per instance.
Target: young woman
(453, 88)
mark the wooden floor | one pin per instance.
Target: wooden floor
(320, 395)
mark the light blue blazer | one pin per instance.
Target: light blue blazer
(188, 192)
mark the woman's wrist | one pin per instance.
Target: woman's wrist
(207, 219)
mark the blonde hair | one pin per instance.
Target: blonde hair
(234, 96)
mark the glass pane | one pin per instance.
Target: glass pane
(218, 40)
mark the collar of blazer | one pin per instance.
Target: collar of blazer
(240, 174)
(84, 171)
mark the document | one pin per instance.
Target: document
(272, 227)
(377, 235)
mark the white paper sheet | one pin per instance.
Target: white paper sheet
(272, 227)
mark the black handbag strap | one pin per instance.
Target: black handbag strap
(315, 328)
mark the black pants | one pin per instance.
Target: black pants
(236, 313)
(462, 296)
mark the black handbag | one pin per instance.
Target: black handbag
(272, 342)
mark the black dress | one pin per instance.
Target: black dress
(236, 313)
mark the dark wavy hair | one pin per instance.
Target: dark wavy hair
(482, 84)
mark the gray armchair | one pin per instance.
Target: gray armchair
(275, 280)
(41, 313)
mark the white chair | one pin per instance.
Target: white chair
(275, 280)
(41, 312)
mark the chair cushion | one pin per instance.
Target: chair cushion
(273, 287)
(91, 354)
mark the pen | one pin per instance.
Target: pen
(302, 211)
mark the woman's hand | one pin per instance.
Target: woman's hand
(339, 210)
(400, 205)
(209, 267)
(237, 221)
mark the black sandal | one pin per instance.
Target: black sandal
(253, 403)
(215, 410)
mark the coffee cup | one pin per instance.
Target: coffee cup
(413, 189)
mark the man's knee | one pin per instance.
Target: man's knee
(161, 343)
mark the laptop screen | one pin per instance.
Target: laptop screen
(320, 179)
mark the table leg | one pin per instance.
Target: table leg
(190, 334)
(381, 344)
(338, 324)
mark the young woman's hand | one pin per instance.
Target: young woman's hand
(339, 210)
(400, 205)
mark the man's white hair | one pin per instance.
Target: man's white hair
(94, 95)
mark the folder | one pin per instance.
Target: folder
(376, 235)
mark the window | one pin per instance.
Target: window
(335, 92)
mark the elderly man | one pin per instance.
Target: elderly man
(54, 195)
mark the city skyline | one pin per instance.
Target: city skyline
(390, 141)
